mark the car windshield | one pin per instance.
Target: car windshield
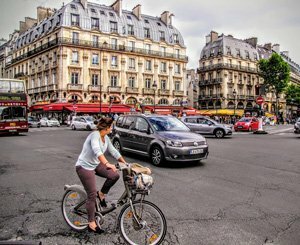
(13, 113)
(245, 120)
(90, 119)
(168, 124)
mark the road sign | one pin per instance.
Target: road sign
(260, 100)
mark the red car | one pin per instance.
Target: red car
(246, 124)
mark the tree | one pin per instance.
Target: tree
(292, 93)
(276, 74)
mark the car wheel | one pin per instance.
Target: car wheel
(117, 145)
(157, 156)
(88, 127)
(73, 127)
(219, 133)
(250, 129)
(47, 125)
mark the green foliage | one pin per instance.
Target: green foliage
(292, 92)
(275, 72)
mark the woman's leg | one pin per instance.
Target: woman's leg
(111, 177)
(88, 180)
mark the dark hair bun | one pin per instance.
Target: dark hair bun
(104, 123)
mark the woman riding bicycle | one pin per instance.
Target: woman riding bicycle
(91, 162)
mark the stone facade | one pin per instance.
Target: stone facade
(86, 50)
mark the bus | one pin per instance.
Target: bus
(13, 106)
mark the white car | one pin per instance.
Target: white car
(83, 122)
(45, 122)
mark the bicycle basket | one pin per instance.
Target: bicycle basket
(142, 181)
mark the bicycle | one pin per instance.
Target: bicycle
(139, 221)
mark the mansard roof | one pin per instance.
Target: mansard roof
(106, 15)
(229, 45)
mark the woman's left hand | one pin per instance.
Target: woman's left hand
(111, 166)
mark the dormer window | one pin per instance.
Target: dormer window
(247, 54)
(238, 52)
(95, 23)
(146, 21)
(93, 11)
(130, 30)
(228, 50)
(158, 24)
(73, 6)
(102, 12)
(111, 14)
(74, 19)
(162, 36)
(128, 17)
(146, 32)
(113, 26)
(175, 38)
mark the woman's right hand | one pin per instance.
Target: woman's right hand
(111, 166)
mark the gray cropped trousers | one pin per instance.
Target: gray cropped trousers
(88, 180)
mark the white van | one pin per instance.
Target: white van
(83, 122)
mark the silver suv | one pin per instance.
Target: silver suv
(297, 127)
(160, 137)
(83, 122)
(205, 125)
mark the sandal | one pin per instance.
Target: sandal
(98, 230)
(103, 203)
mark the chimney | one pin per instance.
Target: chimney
(43, 13)
(22, 27)
(208, 39)
(268, 46)
(166, 18)
(213, 36)
(30, 22)
(276, 48)
(117, 6)
(252, 41)
(137, 11)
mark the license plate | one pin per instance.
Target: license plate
(240, 126)
(12, 124)
(196, 151)
(12, 130)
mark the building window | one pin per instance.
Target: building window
(93, 11)
(113, 26)
(74, 19)
(74, 78)
(163, 102)
(128, 17)
(95, 23)
(148, 83)
(131, 82)
(130, 30)
(247, 54)
(238, 52)
(32, 83)
(162, 36)
(74, 97)
(95, 41)
(131, 63)
(175, 38)
(146, 21)
(111, 14)
(177, 53)
(148, 48)
(102, 12)
(113, 81)
(131, 45)
(163, 84)
(53, 78)
(46, 80)
(95, 59)
(114, 43)
(73, 6)
(177, 85)
(177, 68)
(228, 50)
(148, 65)
(163, 51)
(95, 78)
(114, 61)
(75, 37)
(146, 32)
(75, 58)
(163, 67)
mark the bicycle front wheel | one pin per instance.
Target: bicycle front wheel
(74, 214)
(151, 227)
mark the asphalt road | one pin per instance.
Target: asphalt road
(246, 192)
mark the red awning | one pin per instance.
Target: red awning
(163, 111)
(86, 109)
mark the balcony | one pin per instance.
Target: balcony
(44, 88)
(226, 66)
(20, 74)
(132, 90)
(116, 89)
(30, 91)
(148, 91)
(75, 87)
(241, 97)
(231, 96)
(37, 90)
(52, 87)
(94, 88)
(178, 93)
(250, 97)
(217, 80)
(163, 92)
(46, 66)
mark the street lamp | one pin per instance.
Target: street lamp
(154, 86)
(234, 98)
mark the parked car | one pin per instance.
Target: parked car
(246, 124)
(45, 122)
(33, 122)
(160, 137)
(83, 122)
(204, 125)
(297, 126)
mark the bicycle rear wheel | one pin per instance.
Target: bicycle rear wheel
(74, 215)
(152, 228)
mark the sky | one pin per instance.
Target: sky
(271, 21)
